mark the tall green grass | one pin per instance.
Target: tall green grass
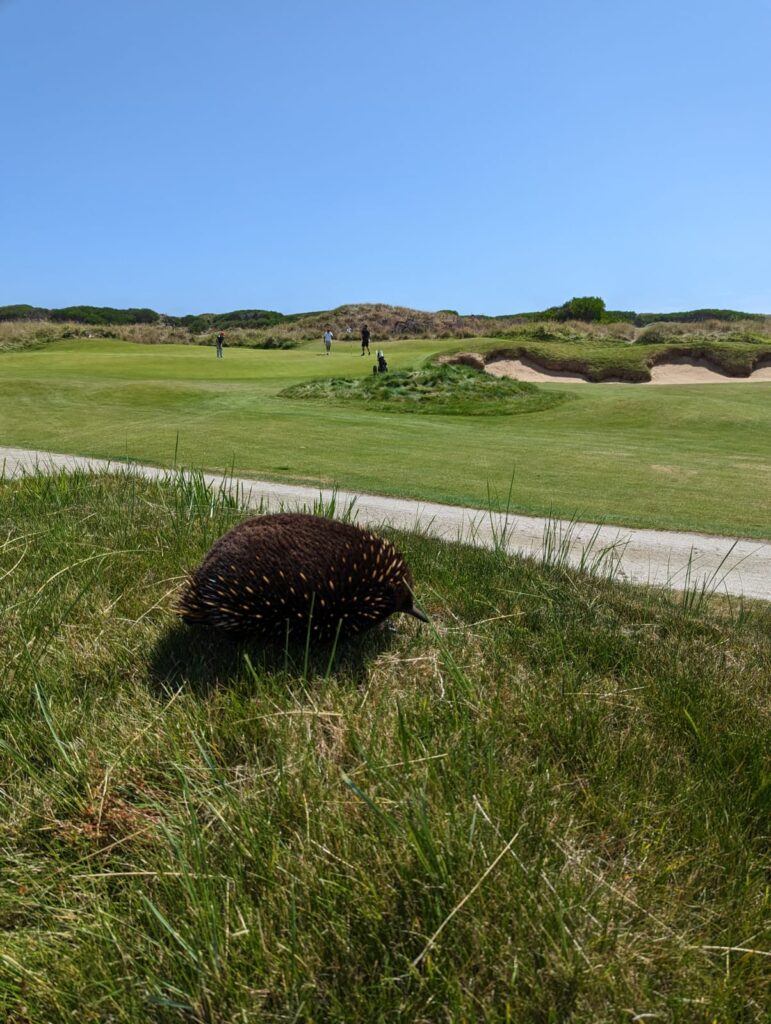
(446, 390)
(551, 805)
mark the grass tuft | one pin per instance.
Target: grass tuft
(445, 389)
(550, 805)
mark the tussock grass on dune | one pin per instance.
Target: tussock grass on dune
(22, 335)
(385, 323)
(450, 390)
(552, 807)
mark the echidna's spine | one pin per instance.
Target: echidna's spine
(289, 571)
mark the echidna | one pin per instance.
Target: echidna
(280, 572)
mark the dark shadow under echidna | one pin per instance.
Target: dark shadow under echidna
(278, 573)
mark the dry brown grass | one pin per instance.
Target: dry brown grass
(155, 334)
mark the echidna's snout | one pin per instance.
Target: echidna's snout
(405, 602)
(416, 613)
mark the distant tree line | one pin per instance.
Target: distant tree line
(586, 308)
(202, 323)
(107, 315)
(693, 316)
(591, 309)
(98, 315)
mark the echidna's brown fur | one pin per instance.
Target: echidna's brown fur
(280, 571)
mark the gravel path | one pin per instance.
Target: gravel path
(675, 560)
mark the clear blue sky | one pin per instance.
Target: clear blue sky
(490, 156)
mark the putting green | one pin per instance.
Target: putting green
(691, 457)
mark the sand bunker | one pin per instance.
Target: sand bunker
(523, 369)
(679, 370)
(701, 371)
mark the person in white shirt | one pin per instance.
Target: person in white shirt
(328, 340)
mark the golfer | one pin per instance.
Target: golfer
(328, 336)
(220, 339)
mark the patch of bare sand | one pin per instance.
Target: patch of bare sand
(683, 370)
(523, 369)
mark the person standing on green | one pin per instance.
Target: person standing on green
(328, 336)
(220, 339)
(365, 340)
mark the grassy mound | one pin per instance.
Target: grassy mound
(551, 806)
(446, 389)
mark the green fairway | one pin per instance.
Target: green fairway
(689, 457)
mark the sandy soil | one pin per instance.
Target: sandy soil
(701, 371)
(676, 371)
(523, 369)
(656, 557)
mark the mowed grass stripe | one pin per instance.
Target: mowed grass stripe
(691, 458)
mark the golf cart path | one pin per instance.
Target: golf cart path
(657, 557)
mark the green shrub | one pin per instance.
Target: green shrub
(694, 316)
(616, 316)
(104, 315)
(201, 323)
(588, 308)
(22, 312)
